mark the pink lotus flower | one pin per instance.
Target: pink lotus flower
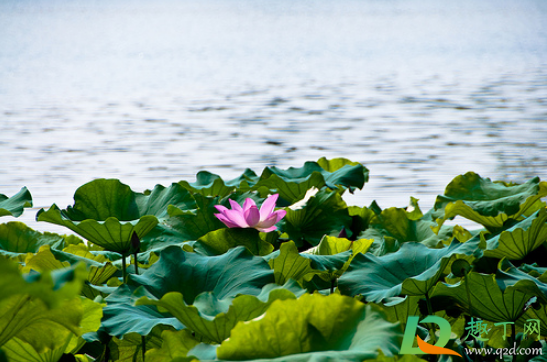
(249, 216)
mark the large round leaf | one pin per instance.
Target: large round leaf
(111, 234)
(518, 241)
(487, 299)
(212, 318)
(121, 316)
(313, 327)
(413, 270)
(490, 203)
(17, 238)
(107, 212)
(42, 309)
(325, 213)
(13, 206)
(220, 241)
(194, 288)
(235, 272)
(292, 184)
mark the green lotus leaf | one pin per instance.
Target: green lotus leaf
(345, 173)
(531, 314)
(360, 219)
(487, 299)
(213, 318)
(323, 214)
(287, 263)
(130, 348)
(509, 275)
(193, 224)
(18, 350)
(99, 271)
(161, 236)
(107, 212)
(208, 184)
(13, 206)
(313, 327)
(175, 345)
(329, 259)
(490, 203)
(43, 309)
(17, 238)
(293, 183)
(331, 245)
(401, 225)
(105, 198)
(235, 272)
(122, 317)
(398, 309)
(99, 268)
(221, 241)
(413, 270)
(42, 261)
(203, 285)
(51, 288)
(111, 234)
(518, 241)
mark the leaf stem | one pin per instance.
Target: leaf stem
(432, 330)
(466, 281)
(124, 270)
(136, 263)
(143, 339)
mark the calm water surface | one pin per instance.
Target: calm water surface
(152, 92)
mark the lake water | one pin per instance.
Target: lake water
(151, 92)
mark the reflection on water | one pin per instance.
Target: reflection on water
(153, 94)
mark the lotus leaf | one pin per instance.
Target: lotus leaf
(518, 241)
(413, 270)
(17, 238)
(235, 272)
(193, 224)
(395, 222)
(13, 206)
(175, 345)
(209, 184)
(398, 309)
(292, 184)
(220, 241)
(490, 203)
(107, 212)
(313, 327)
(122, 317)
(509, 275)
(287, 264)
(43, 309)
(323, 214)
(487, 299)
(18, 350)
(111, 234)
(212, 318)
(130, 348)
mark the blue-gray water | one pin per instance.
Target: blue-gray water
(151, 92)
